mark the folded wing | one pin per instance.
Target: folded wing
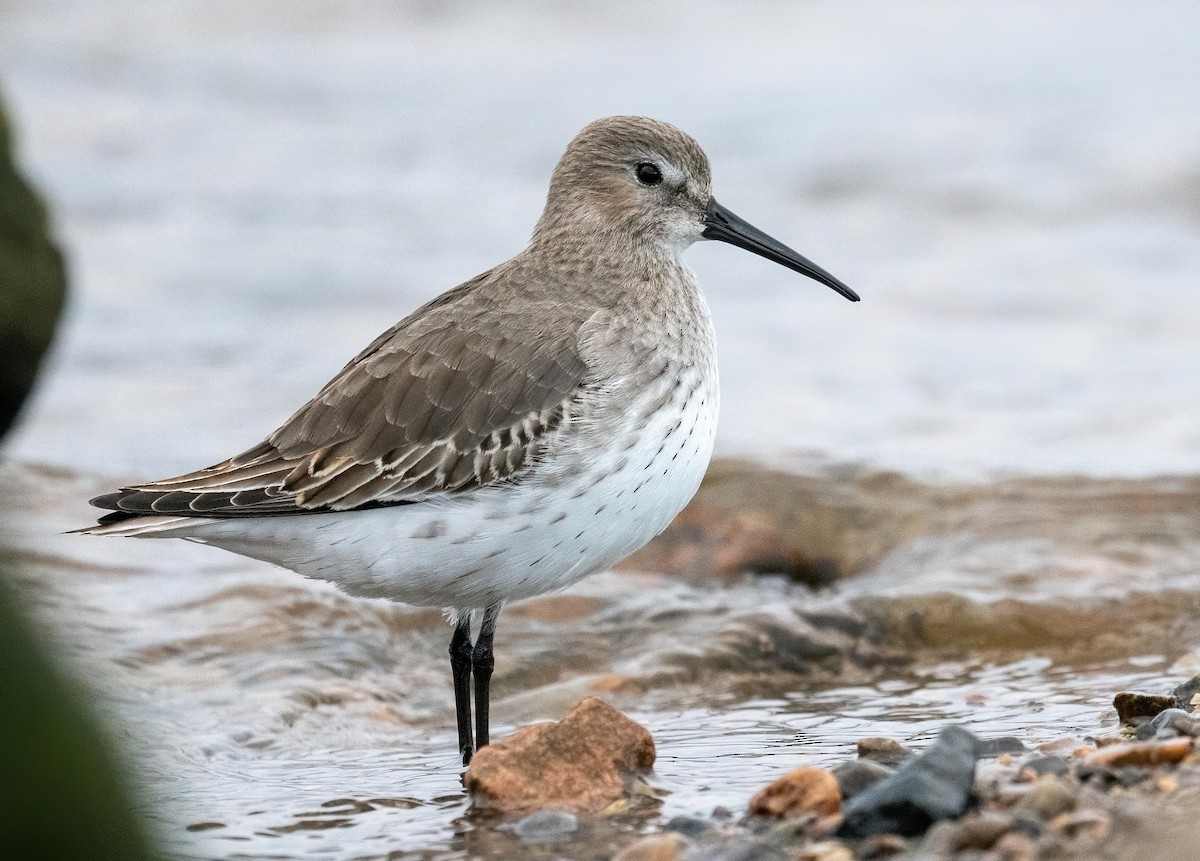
(440, 404)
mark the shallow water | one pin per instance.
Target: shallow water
(269, 717)
(247, 198)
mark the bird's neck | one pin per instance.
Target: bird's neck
(607, 253)
(640, 281)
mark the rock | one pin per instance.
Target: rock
(580, 764)
(688, 826)
(975, 831)
(858, 775)
(885, 751)
(1049, 797)
(753, 850)
(1097, 776)
(546, 826)
(1039, 765)
(826, 851)
(1140, 753)
(1185, 695)
(1165, 783)
(1015, 846)
(981, 830)
(1171, 723)
(1058, 745)
(1130, 707)
(656, 847)
(934, 786)
(803, 792)
(990, 747)
(1090, 825)
(879, 846)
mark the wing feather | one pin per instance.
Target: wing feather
(440, 404)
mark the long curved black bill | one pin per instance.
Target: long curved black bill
(723, 225)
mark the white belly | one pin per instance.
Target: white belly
(594, 499)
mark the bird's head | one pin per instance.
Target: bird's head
(644, 182)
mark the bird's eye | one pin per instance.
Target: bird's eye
(649, 174)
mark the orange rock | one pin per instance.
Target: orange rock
(1165, 783)
(580, 764)
(656, 847)
(1058, 745)
(799, 793)
(1141, 753)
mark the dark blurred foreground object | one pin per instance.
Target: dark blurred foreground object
(32, 282)
(60, 795)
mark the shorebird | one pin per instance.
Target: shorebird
(523, 430)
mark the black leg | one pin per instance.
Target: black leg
(460, 667)
(482, 663)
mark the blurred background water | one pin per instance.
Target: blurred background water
(249, 192)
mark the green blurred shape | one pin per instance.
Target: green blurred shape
(32, 282)
(61, 796)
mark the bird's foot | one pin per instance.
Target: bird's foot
(468, 751)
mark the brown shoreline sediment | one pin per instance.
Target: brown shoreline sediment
(837, 523)
(1076, 566)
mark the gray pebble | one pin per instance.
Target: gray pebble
(934, 786)
(753, 850)
(1047, 799)
(990, 747)
(1183, 693)
(1169, 724)
(885, 751)
(857, 776)
(1040, 765)
(688, 826)
(546, 826)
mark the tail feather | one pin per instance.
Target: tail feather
(123, 523)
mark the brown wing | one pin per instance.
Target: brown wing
(460, 395)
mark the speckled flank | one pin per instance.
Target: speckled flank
(578, 512)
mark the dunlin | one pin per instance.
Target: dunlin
(527, 428)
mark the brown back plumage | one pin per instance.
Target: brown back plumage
(459, 395)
